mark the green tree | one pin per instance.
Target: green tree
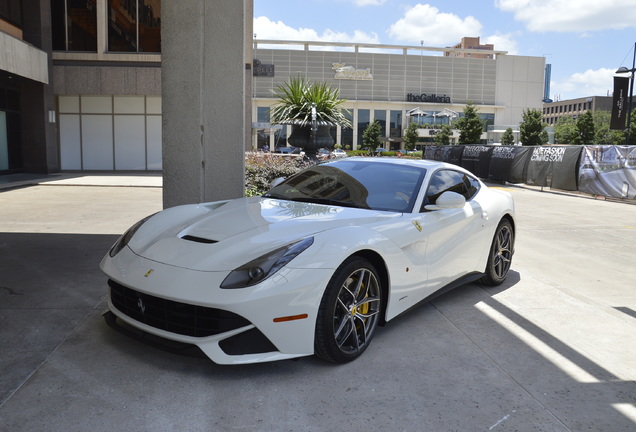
(371, 135)
(531, 127)
(508, 137)
(411, 136)
(585, 128)
(442, 137)
(632, 129)
(565, 131)
(470, 125)
(602, 133)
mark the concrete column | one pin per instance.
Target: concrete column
(203, 79)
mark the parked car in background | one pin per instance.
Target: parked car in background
(288, 150)
(338, 153)
(323, 154)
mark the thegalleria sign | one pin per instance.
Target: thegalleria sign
(427, 98)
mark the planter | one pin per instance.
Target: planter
(301, 137)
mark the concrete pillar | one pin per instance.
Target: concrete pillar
(205, 45)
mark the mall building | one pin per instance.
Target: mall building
(80, 86)
(399, 84)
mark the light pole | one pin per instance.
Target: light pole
(622, 70)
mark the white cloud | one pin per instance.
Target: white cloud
(572, 15)
(589, 83)
(264, 28)
(503, 42)
(426, 23)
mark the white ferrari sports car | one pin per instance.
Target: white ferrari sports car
(313, 266)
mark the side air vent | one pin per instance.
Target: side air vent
(198, 239)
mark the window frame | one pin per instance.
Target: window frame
(469, 187)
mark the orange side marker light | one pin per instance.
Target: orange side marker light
(290, 318)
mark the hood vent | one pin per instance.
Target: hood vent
(198, 239)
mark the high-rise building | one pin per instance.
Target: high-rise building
(467, 45)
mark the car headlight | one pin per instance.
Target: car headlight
(125, 238)
(263, 267)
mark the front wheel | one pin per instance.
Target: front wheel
(349, 312)
(500, 256)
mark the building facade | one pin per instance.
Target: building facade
(81, 86)
(573, 108)
(391, 83)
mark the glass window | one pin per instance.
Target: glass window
(262, 114)
(364, 117)
(488, 119)
(450, 181)
(134, 26)
(11, 10)
(396, 124)
(346, 134)
(74, 25)
(380, 116)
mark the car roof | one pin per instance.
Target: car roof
(422, 163)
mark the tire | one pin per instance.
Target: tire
(500, 255)
(349, 312)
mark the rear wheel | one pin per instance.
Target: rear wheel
(500, 256)
(349, 312)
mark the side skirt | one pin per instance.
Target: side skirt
(464, 280)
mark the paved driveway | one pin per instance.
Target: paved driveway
(553, 349)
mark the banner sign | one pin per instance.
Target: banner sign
(564, 172)
(619, 103)
(476, 159)
(508, 163)
(608, 171)
(598, 170)
(554, 166)
(262, 70)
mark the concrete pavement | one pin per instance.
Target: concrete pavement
(553, 349)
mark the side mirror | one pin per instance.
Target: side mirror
(276, 182)
(447, 200)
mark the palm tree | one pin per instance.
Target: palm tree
(298, 100)
(295, 100)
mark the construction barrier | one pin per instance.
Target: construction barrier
(599, 170)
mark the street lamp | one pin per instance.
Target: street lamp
(622, 70)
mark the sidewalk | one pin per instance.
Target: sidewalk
(141, 179)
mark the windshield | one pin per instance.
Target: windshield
(351, 183)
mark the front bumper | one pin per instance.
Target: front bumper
(230, 326)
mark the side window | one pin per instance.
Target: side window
(449, 180)
(442, 181)
(472, 186)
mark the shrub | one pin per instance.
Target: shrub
(260, 170)
(360, 153)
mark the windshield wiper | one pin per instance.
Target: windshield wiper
(275, 196)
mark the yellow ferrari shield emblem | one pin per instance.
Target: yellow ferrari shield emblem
(417, 225)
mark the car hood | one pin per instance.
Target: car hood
(221, 236)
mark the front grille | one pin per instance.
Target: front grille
(175, 317)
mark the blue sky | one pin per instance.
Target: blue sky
(584, 40)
